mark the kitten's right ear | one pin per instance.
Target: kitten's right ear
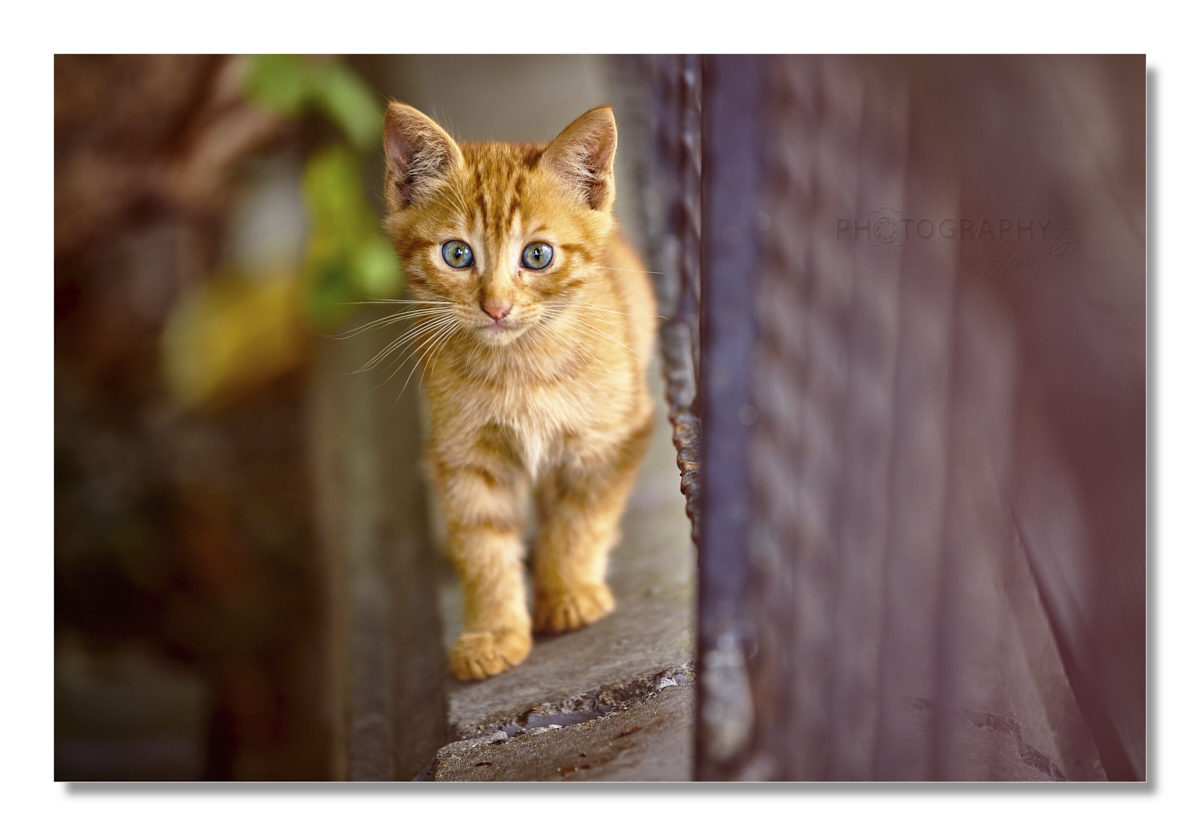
(582, 157)
(418, 153)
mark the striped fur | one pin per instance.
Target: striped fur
(548, 401)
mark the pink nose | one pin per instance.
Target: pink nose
(496, 309)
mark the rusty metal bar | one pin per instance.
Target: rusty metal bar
(674, 212)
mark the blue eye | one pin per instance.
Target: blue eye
(537, 255)
(457, 254)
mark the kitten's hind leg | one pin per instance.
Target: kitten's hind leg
(579, 510)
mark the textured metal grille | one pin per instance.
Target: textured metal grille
(946, 468)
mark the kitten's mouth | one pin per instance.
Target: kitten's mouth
(501, 329)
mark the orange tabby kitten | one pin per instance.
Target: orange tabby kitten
(536, 324)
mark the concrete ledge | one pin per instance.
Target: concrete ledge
(648, 740)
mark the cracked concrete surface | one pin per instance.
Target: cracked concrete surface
(649, 740)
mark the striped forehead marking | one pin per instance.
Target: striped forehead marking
(499, 186)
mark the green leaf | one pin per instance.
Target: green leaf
(378, 268)
(279, 83)
(349, 103)
(347, 256)
(286, 84)
(333, 190)
(328, 290)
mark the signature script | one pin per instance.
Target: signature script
(1006, 258)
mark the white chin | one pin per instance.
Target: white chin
(493, 335)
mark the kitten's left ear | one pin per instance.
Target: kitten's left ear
(582, 157)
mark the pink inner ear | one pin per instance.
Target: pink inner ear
(583, 156)
(587, 167)
(417, 151)
(399, 152)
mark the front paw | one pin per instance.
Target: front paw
(570, 609)
(480, 655)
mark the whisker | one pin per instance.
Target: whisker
(628, 270)
(426, 337)
(438, 337)
(585, 313)
(408, 336)
(416, 338)
(607, 310)
(584, 307)
(577, 346)
(587, 307)
(379, 323)
(598, 332)
(398, 302)
(433, 359)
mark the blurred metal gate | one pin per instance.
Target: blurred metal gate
(922, 389)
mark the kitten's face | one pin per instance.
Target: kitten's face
(500, 237)
(502, 241)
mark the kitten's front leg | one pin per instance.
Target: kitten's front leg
(579, 511)
(483, 504)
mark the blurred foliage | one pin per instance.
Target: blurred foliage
(288, 84)
(242, 331)
(348, 257)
